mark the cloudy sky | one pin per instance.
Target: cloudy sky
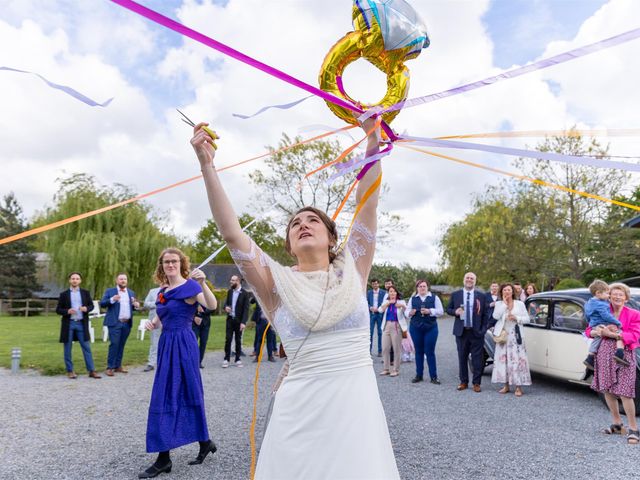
(105, 51)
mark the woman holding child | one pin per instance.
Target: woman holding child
(615, 379)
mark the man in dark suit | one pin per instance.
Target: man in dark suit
(74, 305)
(471, 311)
(261, 322)
(237, 308)
(375, 297)
(202, 329)
(120, 303)
(492, 298)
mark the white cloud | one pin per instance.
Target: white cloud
(43, 132)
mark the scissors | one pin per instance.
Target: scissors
(214, 136)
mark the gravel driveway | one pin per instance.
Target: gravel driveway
(52, 427)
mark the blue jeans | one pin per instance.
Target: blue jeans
(424, 340)
(375, 321)
(86, 348)
(118, 335)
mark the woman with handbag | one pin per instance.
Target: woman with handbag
(510, 363)
(394, 328)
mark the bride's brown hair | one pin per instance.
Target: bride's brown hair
(331, 229)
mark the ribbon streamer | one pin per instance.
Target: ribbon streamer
(64, 88)
(285, 106)
(596, 132)
(226, 50)
(535, 181)
(75, 218)
(516, 72)
(356, 162)
(518, 152)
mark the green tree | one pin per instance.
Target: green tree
(281, 185)
(209, 239)
(404, 276)
(17, 259)
(616, 250)
(126, 239)
(571, 217)
(531, 232)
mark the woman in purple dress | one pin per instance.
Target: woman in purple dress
(176, 411)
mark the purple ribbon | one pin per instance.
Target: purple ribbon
(68, 90)
(517, 152)
(284, 106)
(356, 162)
(516, 72)
(222, 48)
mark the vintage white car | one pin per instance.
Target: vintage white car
(555, 342)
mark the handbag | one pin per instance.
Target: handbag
(501, 338)
(518, 335)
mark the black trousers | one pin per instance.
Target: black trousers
(202, 335)
(469, 343)
(233, 330)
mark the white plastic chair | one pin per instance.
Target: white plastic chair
(93, 314)
(92, 332)
(142, 328)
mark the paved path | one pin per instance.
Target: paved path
(52, 427)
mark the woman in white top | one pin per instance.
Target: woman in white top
(327, 419)
(394, 327)
(510, 363)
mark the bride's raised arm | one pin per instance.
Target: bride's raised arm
(362, 240)
(246, 254)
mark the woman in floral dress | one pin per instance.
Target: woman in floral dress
(510, 363)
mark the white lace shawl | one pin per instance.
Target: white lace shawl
(303, 293)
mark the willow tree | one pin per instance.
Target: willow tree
(126, 239)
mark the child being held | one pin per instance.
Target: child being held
(598, 313)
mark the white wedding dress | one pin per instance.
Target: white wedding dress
(327, 420)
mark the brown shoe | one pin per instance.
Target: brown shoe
(121, 370)
(462, 386)
(109, 372)
(476, 388)
(72, 375)
(94, 374)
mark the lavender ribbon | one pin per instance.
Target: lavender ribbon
(517, 152)
(516, 72)
(284, 106)
(356, 162)
(68, 90)
(226, 50)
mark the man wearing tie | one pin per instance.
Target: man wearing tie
(471, 310)
(237, 308)
(74, 305)
(375, 297)
(120, 303)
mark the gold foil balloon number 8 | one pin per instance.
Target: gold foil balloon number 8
(386, 34)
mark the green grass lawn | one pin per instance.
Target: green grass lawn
(37, 337)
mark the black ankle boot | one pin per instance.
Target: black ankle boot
(205, 448)
(161, 465)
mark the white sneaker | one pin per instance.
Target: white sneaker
(239, 363)
(225, 364)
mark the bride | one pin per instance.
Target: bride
(327, 420)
